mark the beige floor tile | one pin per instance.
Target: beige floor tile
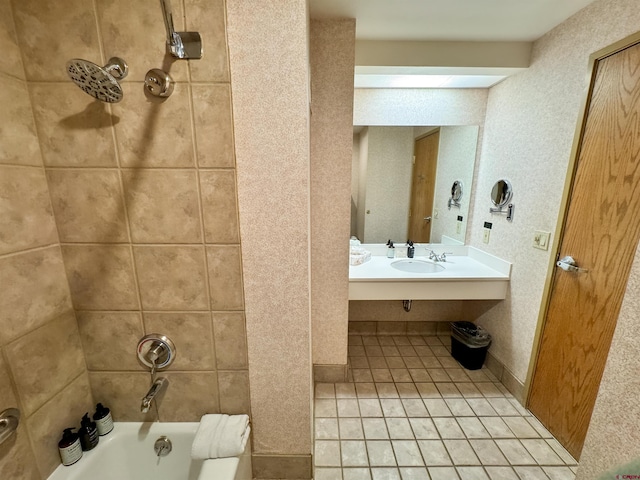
(520, 427)
(478, 376)
(407, 351)
(432, 340)
(559, 473)
(501, 473)
(326, 429)
(424, 428)
(354, 453)
(373, 351)
(448, 428)
(416, 340)
(443, 473)
(359, 362)
(457, 375)
(370, 340)
(350, 429)
(482, 407)
(327, 453)
(392, 407)
(345, 390)
(515, 452)
(407, 453)
(381, 374)
(440, 351)
(378, 362)
(399, 429)
(530, 473)
(396, 362)
(348, 407)
(414, 473)
(488, 452)
(502, 406)
(419, 374)
(543, 432)
(521, 410)
(430, 362)
(496, 427)
(387, 390)
(391, 351)
(385, 340)
(361, 375)
(401, 340)
(413, 362)
(449, 363)
(355, 474)
(438, 375)
(385, 474)
(434, 453)
(324, 473)
(472, 473)
(437, 407)
(380, 453)
(489, 389)
(370, 407)
(428, 390)
(356, 351)
(325, 407)
(541, 452)
(448, 390)
(562, 453)
(401, 375)
(414, 407)
(459, 407)
(355, 340)
(375, 429)
(472, 427)
(468, 390)
(366, 390)
(461, 452)
(325, 390)
(407, 390)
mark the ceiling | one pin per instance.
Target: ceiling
(475, 29)
(450, 20)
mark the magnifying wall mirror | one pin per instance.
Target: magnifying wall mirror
(456, 194)
(501, 194)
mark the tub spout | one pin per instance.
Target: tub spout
(160, 384)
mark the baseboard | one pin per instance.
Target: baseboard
(396, 328)
(330, 373)
(281, 467)
(507, 378)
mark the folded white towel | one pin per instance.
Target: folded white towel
(220, 436)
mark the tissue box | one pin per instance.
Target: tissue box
(357, 256)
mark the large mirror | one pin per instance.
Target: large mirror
(403, 180)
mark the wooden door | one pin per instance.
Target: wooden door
(423, 184)
(601, 232)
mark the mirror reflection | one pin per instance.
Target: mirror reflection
(501, 193)
(456, 194)
(403, 181)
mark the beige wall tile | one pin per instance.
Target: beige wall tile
(88, 205)
(123, 330)
(153, 132)
(219, 206)
(282, 466)
(191, 334)
(231, 340)
(16, 457)
(214, 125)
(234, 392)
(163, 206)
(63, 411)
(35, 290)
(225, 277)
(122, 393)
(171, 278)
(100, 277)
(37, 377)
(74, 129)
(51, 33)
(189, 396)
(8, 397)
(208, 18)
(26, 218)
(17, 127)
(135, 31)
(10, 62)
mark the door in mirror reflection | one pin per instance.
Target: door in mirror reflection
(423, 182)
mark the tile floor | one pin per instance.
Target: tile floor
(411, 412)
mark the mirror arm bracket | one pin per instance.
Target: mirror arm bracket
(508, 211)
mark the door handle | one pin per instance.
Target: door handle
(427, 219)
(568, 264)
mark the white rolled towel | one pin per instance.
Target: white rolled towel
(220, 436)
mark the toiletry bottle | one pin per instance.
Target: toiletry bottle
(88, 433)
(69, 447)
(391, 251)
(411, 249)
(103, 419)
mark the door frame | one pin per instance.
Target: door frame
(576, 148)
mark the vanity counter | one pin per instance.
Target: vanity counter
(469, 274)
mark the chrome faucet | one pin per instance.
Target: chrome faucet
(155, 389)
(438, 258)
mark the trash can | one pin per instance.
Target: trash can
(469, 344)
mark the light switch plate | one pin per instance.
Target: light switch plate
(541, 240)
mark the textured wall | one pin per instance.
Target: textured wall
(144, 198)
(456, 161)
(269, 72)
(332, 53)
(42, 369)
(529, 130)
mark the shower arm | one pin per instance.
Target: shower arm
(186, 45)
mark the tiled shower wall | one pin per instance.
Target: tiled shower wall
(144, 199)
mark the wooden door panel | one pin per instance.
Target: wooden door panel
(422, 187)
(601, 232)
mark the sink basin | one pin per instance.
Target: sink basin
(417, 266)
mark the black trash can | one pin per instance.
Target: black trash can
(469, 344)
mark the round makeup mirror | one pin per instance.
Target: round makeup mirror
(456, 191)
(501, 193)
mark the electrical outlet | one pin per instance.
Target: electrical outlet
(541, 240)
(487, 231)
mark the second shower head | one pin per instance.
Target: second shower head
(99, 82)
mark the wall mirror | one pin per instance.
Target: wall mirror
(456, 194)
(394, 198)
(501, 195)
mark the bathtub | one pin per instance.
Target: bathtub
(127, 454)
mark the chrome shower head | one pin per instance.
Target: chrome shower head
(99, 82)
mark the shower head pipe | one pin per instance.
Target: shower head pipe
(185, 45)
